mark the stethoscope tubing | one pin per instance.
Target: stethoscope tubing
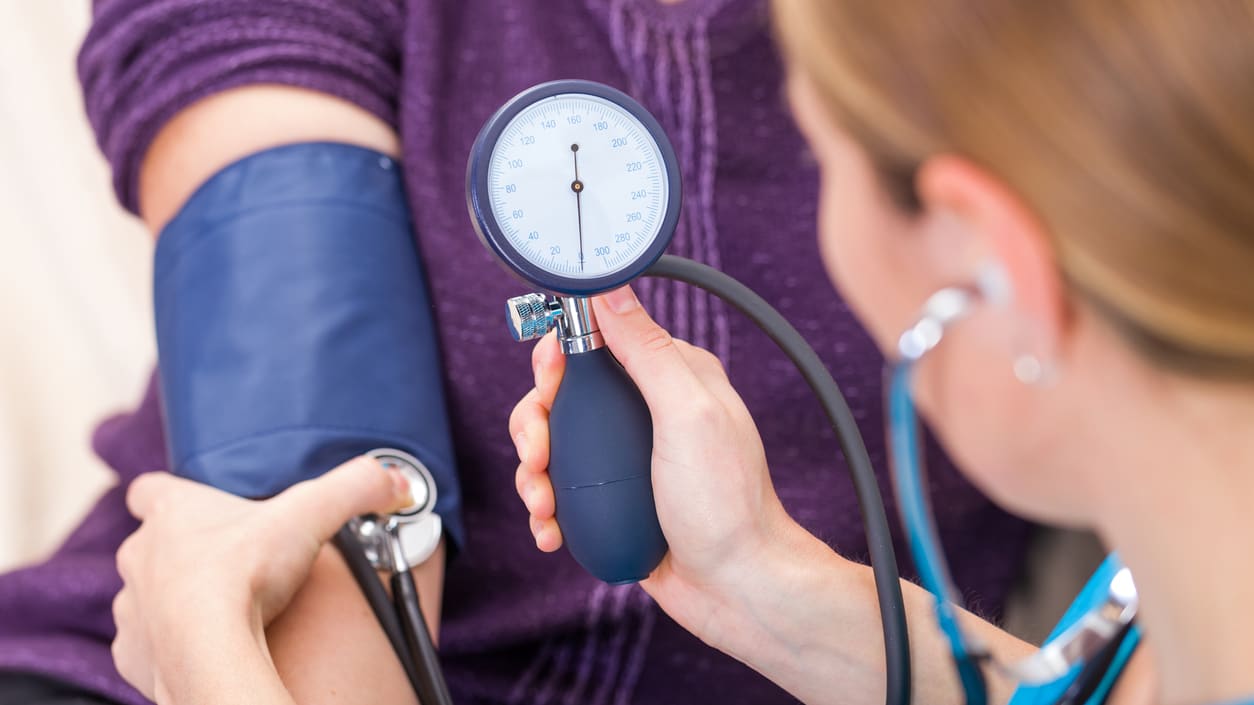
(401, 618)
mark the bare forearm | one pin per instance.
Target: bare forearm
(808, 621)
(328, 646)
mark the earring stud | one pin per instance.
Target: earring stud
(1029, 370)
(1032, 371)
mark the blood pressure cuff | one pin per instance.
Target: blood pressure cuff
(294, 327)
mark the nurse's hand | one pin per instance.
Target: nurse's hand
(207, 571)
(715, 501)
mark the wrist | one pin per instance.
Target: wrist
(806, 618)
(772, 590)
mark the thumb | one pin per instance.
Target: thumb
(359, 486)
(645, 350)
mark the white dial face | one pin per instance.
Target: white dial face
(578, 186)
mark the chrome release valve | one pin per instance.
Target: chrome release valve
(532, 315)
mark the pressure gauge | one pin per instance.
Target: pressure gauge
(574, 187)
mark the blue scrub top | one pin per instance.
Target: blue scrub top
(1094, 593)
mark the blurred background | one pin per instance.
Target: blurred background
(75, 333)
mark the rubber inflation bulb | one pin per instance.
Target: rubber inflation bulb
(601, 456)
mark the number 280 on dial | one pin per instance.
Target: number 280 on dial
(573, 184)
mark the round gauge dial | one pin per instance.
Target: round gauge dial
(574, 186)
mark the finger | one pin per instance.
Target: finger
(529, 426)
(521, 476)
(119, 608)
(704, 365)
(548, 364)
(547, 533)
(516, 416)
(125, 558)
(360, 486)
(646, 351)
(129, 655)
(536, 491)
(709, 370)
(146, 491)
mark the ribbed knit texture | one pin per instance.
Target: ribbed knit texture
(144, 60)
(519, 626)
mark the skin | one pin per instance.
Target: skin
(1101, 446)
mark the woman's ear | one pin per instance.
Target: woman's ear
(990, 236)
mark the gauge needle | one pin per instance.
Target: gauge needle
(577, 187)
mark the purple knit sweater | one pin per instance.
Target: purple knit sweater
(518, 626)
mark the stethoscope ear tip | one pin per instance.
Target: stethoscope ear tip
(993, 283)
(939, 311)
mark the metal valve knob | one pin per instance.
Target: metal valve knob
(530, 316)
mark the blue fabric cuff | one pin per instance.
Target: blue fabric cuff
(294, 327)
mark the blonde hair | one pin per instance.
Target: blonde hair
(1127, 125)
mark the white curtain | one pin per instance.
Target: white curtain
(75, 332)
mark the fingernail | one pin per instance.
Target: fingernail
(622, 300)
(401, 489)
(520, 443)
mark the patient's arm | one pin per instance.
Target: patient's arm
(327, 646)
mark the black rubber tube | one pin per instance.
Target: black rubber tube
(377, 597)
(430, 688)
(874, 517)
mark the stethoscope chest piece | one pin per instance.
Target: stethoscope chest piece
(409, 536)
(394, 543)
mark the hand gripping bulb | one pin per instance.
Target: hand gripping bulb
(601, 445)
